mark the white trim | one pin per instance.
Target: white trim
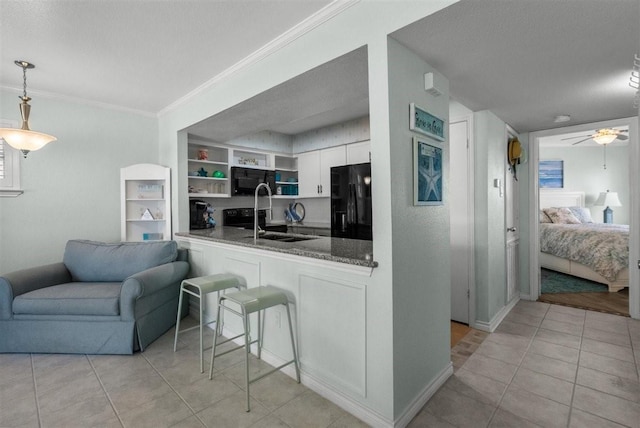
(10, 185)
(471, 213)
(491, 326)
(634, 193)
(525, 297)
(330, 393)
(323, 15)
(425, 395)
(80, 101)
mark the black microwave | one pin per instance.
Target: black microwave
(245, 180)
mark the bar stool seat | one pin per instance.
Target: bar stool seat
(199, 287)
(252, 300)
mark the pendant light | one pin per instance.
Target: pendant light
(24, 139)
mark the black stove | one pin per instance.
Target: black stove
(244, 217)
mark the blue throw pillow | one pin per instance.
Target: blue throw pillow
(582, 214)
(90, 261)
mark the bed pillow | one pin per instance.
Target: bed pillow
(561, 215)
(582, 214)
(544, 218)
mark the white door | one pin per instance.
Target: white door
(512, 218)
(461, 228)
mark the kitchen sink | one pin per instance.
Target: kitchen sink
(287, 238)
(282, 237)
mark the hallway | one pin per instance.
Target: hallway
(552, 366)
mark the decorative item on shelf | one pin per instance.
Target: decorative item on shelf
(278, 176)
(192, 173)
(146, 215)
(150, 191)
(158, 215)
(608, 199)
(202, 172)
(24, 139)
(218, 174)
(203, 154)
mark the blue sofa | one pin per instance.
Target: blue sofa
(101, 299)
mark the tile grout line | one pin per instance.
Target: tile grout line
(35, 390)
(575, 377)
(95, 372)
(174, 390)
(517, 369)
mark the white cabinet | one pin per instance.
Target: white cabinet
(314, 170)
(145, 210)
(359, 152)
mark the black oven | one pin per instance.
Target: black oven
(243, 217)
(245, 180)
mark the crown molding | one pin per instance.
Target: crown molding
(323, 15)
(81, 101)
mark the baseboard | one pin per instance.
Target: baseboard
(491, 326)
(323, 389)
(418, 403)
(526, 297)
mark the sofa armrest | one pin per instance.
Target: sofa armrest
(23, 281)
(148, 282)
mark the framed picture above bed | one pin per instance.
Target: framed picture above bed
(551, 174)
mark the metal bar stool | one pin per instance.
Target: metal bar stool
(249, 301)
(199, 288)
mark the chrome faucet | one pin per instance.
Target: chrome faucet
(255, 210)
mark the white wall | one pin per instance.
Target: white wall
(71, 186)
(490, 146)
(584, 172)
(421, 269)
(364, 23)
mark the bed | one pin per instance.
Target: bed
(594, 251)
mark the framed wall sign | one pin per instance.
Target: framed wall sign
(551, 174)
(424, 122)
(427, 173)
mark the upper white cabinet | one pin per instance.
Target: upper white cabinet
(359, 152)
(314, 170)
(145, 209)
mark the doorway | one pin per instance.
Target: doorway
(632, 158)
(461, 220)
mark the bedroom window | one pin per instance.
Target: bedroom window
(9, 166)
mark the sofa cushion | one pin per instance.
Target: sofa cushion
(90, 261)
(73, 298)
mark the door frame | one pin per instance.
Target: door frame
(471, 301)
(634, 194)
(511, 133)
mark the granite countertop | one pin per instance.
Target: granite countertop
(350, 251)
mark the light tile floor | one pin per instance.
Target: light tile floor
(156, 388)
(545, 366)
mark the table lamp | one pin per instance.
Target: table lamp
(608, 199)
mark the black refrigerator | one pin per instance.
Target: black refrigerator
(351, 201)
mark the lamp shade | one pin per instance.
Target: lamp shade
(608, 199)
(22, 139)
(605, 139)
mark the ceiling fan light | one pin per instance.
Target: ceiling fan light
(605, 139)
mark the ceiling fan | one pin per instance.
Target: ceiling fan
(602, 136)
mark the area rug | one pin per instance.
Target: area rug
(556, 282)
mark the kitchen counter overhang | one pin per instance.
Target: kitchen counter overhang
(350, 251)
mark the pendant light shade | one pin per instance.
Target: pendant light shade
(25, 139)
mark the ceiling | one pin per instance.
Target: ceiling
(531, 60)
(526, 60)
(141, 55)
